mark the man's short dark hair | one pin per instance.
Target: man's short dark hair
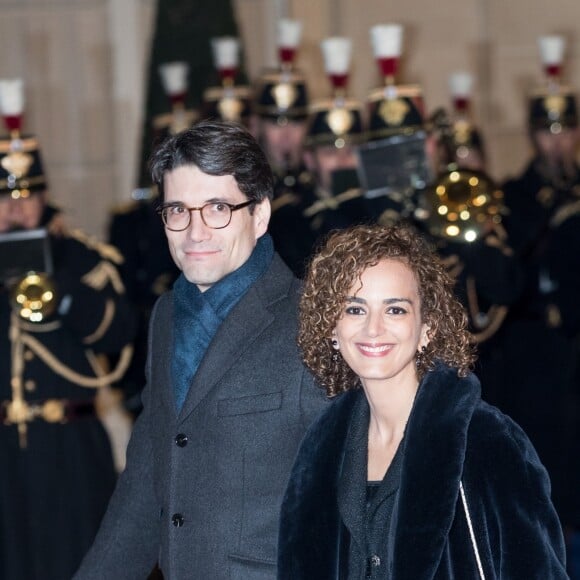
(216, 148)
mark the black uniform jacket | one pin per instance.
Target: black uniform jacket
(57, 474)
(451, 437)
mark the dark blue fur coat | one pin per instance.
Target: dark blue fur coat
(451, 436)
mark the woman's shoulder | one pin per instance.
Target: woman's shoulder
(496, 440)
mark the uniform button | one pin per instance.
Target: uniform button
(181, 440)
(177, 520)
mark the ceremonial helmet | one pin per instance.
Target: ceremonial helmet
(465, 141)
(174, 79)
(227, 101)
(337, 120)
(393, 109)
(552, 105)
(281, 94)
(21, 168)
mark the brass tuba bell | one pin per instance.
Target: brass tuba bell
(34, 297)
(462, 205)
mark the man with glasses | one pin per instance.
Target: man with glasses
(227, 398)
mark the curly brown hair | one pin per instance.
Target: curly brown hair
(331, 274)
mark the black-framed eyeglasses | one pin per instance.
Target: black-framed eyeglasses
(215, 215)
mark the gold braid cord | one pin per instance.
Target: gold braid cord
(18, 411)
(332, 202)
(496, 314)
(71, 375)
(108, 316)
(453, 265)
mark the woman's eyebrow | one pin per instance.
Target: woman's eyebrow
(359, 300)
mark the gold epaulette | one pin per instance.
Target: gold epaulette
(105, 250)
(349, 194)
(332, 202)
(283, 200)
(565, 212)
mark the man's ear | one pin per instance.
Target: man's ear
(262, 213)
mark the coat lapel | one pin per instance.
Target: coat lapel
(160, 355)
(312, 550)
(249, 318)
(352, 482)
(434, 453)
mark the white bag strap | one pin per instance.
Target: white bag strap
(471, 533)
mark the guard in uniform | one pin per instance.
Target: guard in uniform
(458, 142)
(147, 271)
(335, 130)
(281, 107)
(174, 79)
(541, 376)
(137, 232)
(462, 212)
(279, 124)
(394, 160)
(57, 465)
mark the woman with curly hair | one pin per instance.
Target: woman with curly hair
(408, 474)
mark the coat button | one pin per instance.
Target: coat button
(373, 562)
(181, 440)
(177, 520)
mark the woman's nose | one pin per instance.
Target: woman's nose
(375, 324)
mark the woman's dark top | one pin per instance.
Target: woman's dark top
(379, 509)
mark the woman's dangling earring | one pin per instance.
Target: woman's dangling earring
(335, 353)
(420, 356)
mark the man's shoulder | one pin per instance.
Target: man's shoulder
(278, 282)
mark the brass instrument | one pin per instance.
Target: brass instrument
(462, 205)
(34, 297)
(25, 268)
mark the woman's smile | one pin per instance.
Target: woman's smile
(374, 349)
